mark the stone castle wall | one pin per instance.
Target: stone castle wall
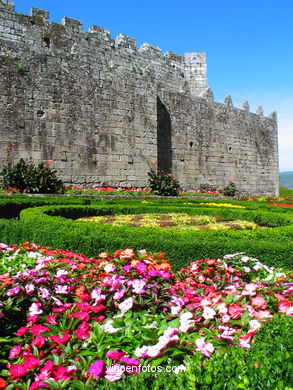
(103, 109)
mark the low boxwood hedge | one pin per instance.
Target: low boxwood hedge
(52, 226)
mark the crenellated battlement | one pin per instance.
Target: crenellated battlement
(57, 39)
(103, 108)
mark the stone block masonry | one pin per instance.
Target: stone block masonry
(102, 109)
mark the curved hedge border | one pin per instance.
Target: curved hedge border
(48, 225)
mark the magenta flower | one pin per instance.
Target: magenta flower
(36, 330)
(13, 291)
(39, 341)
(52, 320)
(96, 369)
(17, 371)
(15, 352)
(83, 332)
(21, 331)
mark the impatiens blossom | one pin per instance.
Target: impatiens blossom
(119, 294)
(110, 268)
(97, 295)
(96, 369)
(125, 305)
(137, 286)
(203, 347)
(114, 373)
(61, 289)
(186, 322)
(208, 313)
(45, 293)
(13, 291)
(29, 288)
(115, 355)
(15, 352)
(35, 308)
(38, 329)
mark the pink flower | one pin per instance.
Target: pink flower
(261, 314)
(60, 373)
(36, 330)
(284, 306)
(83, 332)
(17, 371)
(15, 352)
(115, 355)
(13, 291)
(258, 302)
(97, 369)
(38, 385)
(29, 288)
(114, 373)
(45, 294)
(245, 340)
(125, 305)
(82, 316)
(39, 341)
(119, 294)
(61, 340)
(138, 286)
(21, 331)
(235, 311)
(203, 347)
(51, 320)
(227, 332)
(61, 289)
(31, 362)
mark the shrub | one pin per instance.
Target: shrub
(31, 178)
(230, 189)
(162, 184)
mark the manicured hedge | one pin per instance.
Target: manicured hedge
(49, 225)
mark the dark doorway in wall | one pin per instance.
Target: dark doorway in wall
(164, 141)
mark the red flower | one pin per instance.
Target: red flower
(3, 383)
(115, 355)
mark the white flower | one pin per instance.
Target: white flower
(208, 313)
(246, 269)
(109, 328)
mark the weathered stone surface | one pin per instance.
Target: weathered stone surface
(103, 109)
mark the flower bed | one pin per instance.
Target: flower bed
(69, 321)
(281, 204)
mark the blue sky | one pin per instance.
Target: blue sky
(249, 44)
